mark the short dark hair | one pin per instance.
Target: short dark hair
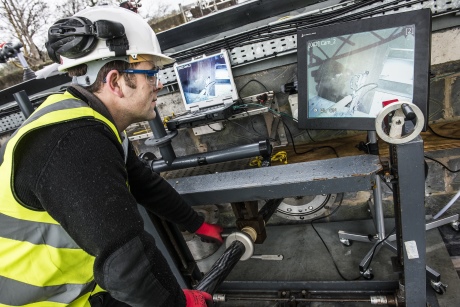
(81, 69)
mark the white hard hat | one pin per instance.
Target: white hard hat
(99, 34)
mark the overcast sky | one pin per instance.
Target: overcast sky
(174, 3)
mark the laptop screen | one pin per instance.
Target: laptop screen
(206, 81)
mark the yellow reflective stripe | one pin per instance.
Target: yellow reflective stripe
(29, 263)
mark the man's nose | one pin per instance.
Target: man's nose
(159, 86)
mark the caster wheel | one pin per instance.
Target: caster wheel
(345, 242)
(455, 225)
(438, 287)
(367, 274)
(148, 156)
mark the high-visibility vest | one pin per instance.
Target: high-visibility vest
(40, 264)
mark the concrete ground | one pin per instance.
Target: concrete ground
(307, 259)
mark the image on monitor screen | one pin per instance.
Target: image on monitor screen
(207, 80)
(347, 71)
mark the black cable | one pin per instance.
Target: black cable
(215, 130)
(296, 121)
(261, 106)
(254, 133)
(252, 123)
(447, 168)
(325, 245)
(270, 32)
(290, 27)
(442, 136)
(308, 132)
(246, 84)
(280, 114)
(310, 150)
(434, 160)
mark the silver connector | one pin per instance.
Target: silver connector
(218, 298)
(379, 300)
(268, 257)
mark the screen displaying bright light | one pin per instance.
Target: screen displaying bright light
(351, 75)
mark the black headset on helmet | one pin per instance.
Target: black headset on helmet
(77, 36)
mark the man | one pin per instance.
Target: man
(332, 81)
(71, 181)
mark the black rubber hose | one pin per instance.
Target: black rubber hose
(223, 266)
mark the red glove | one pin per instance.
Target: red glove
(210, 233)
(195, 298)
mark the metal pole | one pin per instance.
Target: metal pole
(263, 148)
(159, 131)
(182, 12)
(379, 218)
(24, 103)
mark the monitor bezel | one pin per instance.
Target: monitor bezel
(422, 21)
(215, 100)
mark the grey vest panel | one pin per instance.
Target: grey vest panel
(33, 232)
(22, 294)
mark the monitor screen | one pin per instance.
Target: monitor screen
(206, 81)
(347, 71)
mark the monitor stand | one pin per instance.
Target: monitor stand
(383, 239)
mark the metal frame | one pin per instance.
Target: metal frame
(331, 176)
(347, 174)
(409, 200)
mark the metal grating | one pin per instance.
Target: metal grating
(11, 122)
(248, 53)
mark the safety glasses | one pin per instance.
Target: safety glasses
(151, 75)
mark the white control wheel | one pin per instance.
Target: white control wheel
(397, 138)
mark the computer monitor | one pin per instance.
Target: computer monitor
(206, 81)
(347, 70)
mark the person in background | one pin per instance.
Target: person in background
(71, 233)
(131, 5)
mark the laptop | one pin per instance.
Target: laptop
(207, 88)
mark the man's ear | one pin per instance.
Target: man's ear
(114, 81)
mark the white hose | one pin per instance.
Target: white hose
(447, 206)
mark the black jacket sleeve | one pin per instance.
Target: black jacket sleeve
(82, 183)
(158, 196)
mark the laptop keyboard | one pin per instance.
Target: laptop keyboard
(219, 106)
